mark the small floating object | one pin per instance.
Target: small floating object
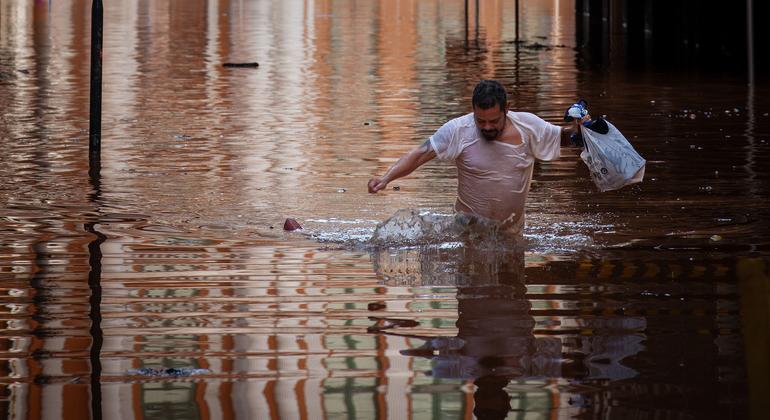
(396, 188)
(388, 323)
(715, 238)
(376, 306)
(396, 322)
(341, 190)
(291, 224)
(579, 401)
(252, 65)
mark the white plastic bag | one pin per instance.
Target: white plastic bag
(612, 160)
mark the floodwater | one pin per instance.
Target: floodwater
(649, 302)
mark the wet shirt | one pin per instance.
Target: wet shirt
(494, 177)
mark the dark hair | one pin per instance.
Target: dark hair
(489, 93)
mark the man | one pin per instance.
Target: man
(494, 150)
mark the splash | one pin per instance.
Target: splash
(425, 228)
(421, 227)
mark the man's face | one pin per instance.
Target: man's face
(490, 121)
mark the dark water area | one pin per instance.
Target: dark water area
(166, 288)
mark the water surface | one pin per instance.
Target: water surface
(644, 302)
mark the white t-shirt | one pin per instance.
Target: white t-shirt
(494, 177)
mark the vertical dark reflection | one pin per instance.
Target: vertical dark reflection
(467, 19)
(476, 23)
(95, 301)
(517, 21)
(94, 247)
(95, 119)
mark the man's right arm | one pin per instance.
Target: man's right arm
(404, 166)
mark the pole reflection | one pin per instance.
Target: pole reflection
(95, 300)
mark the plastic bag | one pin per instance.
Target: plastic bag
(612, 160)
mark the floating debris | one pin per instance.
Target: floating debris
(376, 306)
(291, 224)
(579, 401)
(388, 323)
(536, 46)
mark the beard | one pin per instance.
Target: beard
(490, 134)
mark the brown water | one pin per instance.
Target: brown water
(649, 302)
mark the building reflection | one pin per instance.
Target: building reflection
(496, 342)
(637, 34)
(283, 331)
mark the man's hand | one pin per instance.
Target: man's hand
(572, 128)
(575, 126)
(377, 184)
(403, 167)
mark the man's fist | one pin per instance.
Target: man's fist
(376, 184)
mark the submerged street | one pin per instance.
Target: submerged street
(166, 286)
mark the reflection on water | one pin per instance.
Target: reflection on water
(495, 341)
(281, 330)
(635, 303)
